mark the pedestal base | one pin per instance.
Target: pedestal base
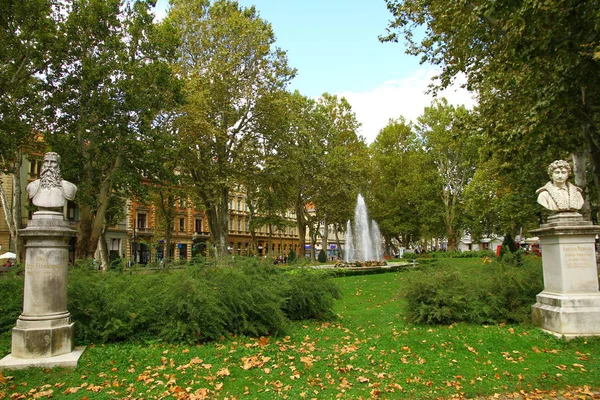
(568, 315)
(37, 339)
(68, 360)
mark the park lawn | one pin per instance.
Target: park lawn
(369, 352)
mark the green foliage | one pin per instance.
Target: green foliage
(533, 68)
(498, 292)
(251, 297)
(191, 311)
(291, 256)
(196, 304)
(322, 258)
(526, 359)
(11, 305)
(508, 246)
(311, 295)
(231, 75)
(442, 298)
(110, 82)
(405, 204)
(111, 306)
(450, 254)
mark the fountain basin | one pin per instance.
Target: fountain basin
(360, 264)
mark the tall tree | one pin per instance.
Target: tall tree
(28, 33)
(532, 64)
(493, 206)
(299, 153)
(345, 157)
(405, 196)
(109, 87)
(228, 61)
(453, 148)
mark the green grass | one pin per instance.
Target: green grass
(369, 352)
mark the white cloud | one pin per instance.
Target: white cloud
(405, 97)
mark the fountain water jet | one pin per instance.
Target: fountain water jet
(363, 242)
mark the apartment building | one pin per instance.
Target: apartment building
(140, 238)
(191, 235)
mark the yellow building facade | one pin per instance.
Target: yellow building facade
(139, 238)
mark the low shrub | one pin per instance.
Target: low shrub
(449, 254)
(441, 298)
(112, 306)
(311, 295)
(11, 304)
(291, 256)
(188, 308)
(499, 292)
(322, 258)
(196, 304)
(251, 298)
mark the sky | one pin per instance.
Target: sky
(335, 48)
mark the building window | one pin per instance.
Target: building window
(239, 204)
(182, 251)
(198, 225)
(239, 224)
(182, 203)
(141, 221)
(115, 244)
(231, 224)
(35, 167)
(181, 224)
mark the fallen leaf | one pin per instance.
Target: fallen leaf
(46, 393)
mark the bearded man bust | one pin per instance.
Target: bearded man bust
(51, 191)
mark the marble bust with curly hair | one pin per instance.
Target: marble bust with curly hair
(558, 194)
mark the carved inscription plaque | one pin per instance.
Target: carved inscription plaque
(579, 256)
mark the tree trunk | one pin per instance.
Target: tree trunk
(580, 178)
(103, 250)
(451, 239)
(217, 221)
(91, 224)
(270, 253)
(312, 232)
(301, 222)
(12, 208)
(223, 218)
(337, 241)
(324, 238)
(592, 137)
(84, 232)
(167, 253)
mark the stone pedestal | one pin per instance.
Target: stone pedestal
(44, 332)
(570, 303)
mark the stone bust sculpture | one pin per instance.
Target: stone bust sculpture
(51, 191)
(558, 194)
